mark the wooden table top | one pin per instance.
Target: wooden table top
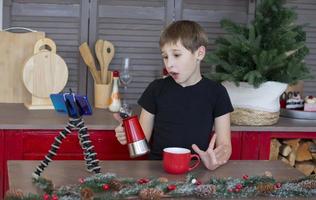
(68, 172)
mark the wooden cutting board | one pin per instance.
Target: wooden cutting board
(45, 72)
(15, 49)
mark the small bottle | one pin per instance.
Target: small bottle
(115, 102)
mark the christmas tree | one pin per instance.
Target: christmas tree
(271, 48)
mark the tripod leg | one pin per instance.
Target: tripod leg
(90, 155)
(53, 150)
(85, 151)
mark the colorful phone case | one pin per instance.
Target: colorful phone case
(84, 106)
(71, 105)
(58, 102)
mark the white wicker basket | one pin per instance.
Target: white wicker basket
(255, 106)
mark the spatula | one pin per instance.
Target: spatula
(98, 52)
(107, 54)
(89, 60)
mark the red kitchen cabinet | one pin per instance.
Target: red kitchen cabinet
(2, 165)
(236, 145)
(250, 146)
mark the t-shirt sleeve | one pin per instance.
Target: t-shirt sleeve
(148, 98)
(223, 103)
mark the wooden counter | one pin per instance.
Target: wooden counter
(16, 116)
(68, 172)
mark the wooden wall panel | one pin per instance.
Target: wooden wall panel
(306, 13)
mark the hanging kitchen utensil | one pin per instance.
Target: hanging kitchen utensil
(108, 52)
(98, 52)
(43, 74)
(89, 60)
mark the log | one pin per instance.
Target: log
(312, 147)
(285, 150)
(314, 156)
(294, 143)
(303, 153)
(285, 160)
(307, 167)
(274, 149)
(291, 158)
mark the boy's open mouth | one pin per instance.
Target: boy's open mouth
(174, 74)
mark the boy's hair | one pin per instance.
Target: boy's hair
(189, 33)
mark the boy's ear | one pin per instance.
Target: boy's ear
(200, 52)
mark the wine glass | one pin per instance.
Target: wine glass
(125, 78)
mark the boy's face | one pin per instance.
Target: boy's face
(182, 65)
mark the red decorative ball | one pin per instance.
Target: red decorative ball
(237, 190)
(105, 187)
(54, 197)
(171, 187)
(238, 186)
(277, 186)
(46, 197)
(230, 190)
(81, 180)
(245, 177)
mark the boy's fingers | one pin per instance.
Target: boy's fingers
(117, 117)
(123, 141)
(120, 134)
(197, 149)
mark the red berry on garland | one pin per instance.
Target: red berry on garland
(105, 187)
(245, 177)
(238, 186)
(142, 180)
(237, 190)
(277, 186)
(81, 180)
(46, 197)
(171, 187)
(230, 190)
(54, 197)
(198, 182)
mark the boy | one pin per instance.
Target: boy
(180, 110)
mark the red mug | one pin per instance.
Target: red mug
(177, 160)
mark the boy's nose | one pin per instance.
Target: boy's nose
(169, 64)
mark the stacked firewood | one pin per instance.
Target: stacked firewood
(299, 153)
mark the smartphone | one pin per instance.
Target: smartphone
(84, 106)
(71, 105)
(58, 102)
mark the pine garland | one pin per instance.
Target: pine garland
(100, 186)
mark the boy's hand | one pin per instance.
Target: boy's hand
(212, 158)
(119, 130)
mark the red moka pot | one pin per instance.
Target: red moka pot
(136, 141)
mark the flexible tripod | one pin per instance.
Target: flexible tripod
(92, 163)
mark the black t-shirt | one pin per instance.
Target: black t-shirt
(183, 115)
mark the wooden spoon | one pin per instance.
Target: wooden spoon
(89, 60)
(98, 52)
(108, 52)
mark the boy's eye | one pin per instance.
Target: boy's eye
(177, 55)
(165, 57)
